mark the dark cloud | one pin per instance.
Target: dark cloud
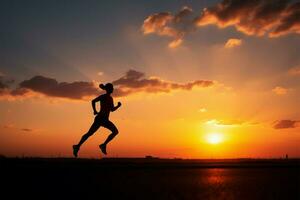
(5, 82)
(134, 81)
(290, 21)
(19, 92)
(53, 88)
(2, 85)
(252, 17)
(286, 123)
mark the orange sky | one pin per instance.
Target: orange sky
(164, 125)
(189, 85)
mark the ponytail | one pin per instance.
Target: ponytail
(102, 86)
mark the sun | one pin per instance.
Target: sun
(214, 138)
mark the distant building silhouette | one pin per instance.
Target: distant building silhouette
(151, 157)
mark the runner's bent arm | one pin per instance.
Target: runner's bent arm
(116, 107)
(94, 101)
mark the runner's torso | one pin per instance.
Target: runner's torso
(106, 103)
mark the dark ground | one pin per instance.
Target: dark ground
(65, 178)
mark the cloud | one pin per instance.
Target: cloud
(5, 82)
(2, 85)
(289, 21)
(53, 88)
(254, 17)
(233, 42)
(286, 123)
(131, 82)
(26, 129)
(295, 71)
(175, 43)
(280, 90)
(229, 122)
(135, 81)
(8, 126)
(251, 17)
(166, 24)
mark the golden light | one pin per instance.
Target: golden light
(214, 138)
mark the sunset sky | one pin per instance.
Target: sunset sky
(197, 78)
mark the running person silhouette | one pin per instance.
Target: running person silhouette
(101, 119)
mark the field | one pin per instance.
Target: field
(129, 178)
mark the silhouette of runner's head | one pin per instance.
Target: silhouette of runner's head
(108, 87)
